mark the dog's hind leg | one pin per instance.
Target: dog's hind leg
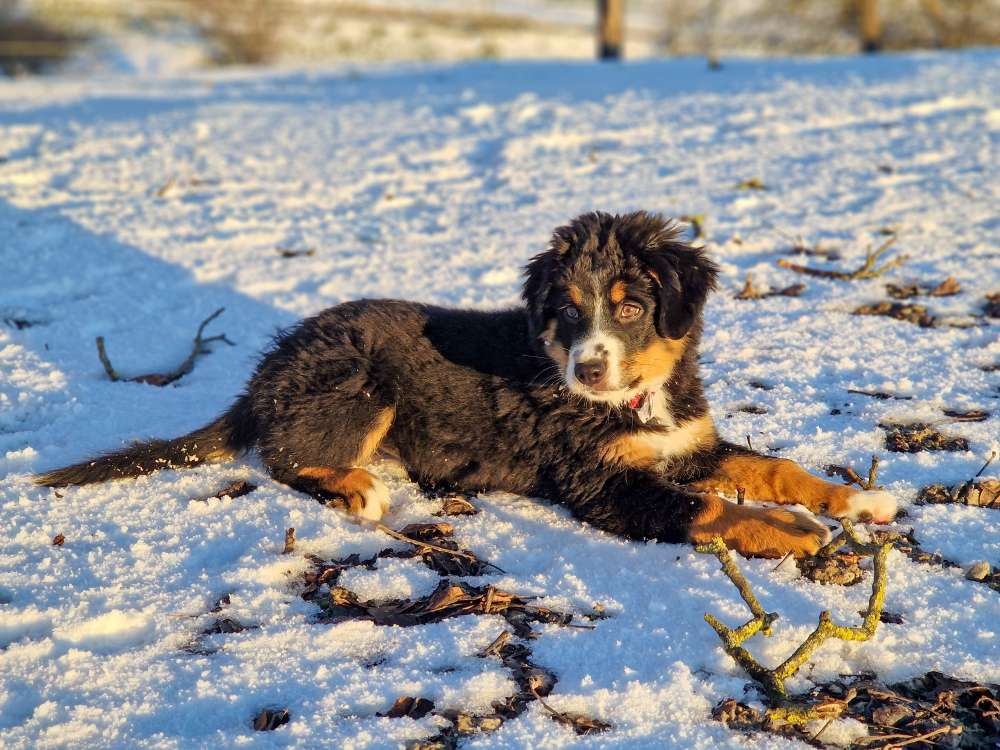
(330, 468)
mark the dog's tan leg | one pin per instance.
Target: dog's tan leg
(758, 532)
(364, 494)
(778, 480)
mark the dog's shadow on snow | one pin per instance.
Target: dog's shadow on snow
(64, 285)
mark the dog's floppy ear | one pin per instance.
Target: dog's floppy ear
(539, 276)
(684, 276)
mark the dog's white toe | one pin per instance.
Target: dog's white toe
(877, 506)
(376, 500)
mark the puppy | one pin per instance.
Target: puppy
(588, 395)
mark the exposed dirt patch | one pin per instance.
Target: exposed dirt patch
(840, 569)
(920, 436)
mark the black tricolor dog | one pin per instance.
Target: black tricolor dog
(588, 396)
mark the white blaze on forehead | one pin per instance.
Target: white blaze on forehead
(599, 344)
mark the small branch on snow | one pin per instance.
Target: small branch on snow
(160, 379)
(427, 545)
(867, 270)
(850, 476)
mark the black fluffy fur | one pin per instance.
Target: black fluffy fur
(478, 404)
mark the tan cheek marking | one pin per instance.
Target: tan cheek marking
(656, 361)
(778, 480)
(555, 351)
(755, 532)
(383, 421)
(575, 294)
(617, 292)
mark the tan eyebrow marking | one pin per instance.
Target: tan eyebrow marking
(617, 292)
(575, 294)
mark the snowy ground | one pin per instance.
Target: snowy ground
(133, 208)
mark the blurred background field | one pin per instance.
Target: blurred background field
(163, 36)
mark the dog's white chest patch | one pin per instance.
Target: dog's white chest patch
(654, 411)
(678, 440)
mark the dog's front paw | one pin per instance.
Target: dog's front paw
(870, 506)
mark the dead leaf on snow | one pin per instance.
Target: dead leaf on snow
(407, 706)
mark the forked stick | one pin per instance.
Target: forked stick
(773, 680)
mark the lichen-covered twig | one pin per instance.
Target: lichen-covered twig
(867, 270)
(773, 680)
(160, 379)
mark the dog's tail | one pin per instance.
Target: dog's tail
(220, 440)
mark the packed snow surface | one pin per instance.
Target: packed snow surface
(133, 208)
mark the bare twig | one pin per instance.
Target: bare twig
(427, 545)
(867, 270)
(921, 737)
(103, 356)
(872, 474)
(749, 291)
(782, 561)
(160, 379)
(289, 541)
(881, 395)
(821, 730)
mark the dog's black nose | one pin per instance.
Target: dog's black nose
(590, 373)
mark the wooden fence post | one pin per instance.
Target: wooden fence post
(610, 28)
(870, 25)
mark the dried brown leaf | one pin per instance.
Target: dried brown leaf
(946, 288)
(992, 307)
(406, 706)
(457, 505)
(736, 715)
(916, 314)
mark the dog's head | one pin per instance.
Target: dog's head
(614, 302)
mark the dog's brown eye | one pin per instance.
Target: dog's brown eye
(629, 310)
(571, 313)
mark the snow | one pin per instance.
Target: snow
(132, 208)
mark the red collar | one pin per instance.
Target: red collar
(638, 400)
